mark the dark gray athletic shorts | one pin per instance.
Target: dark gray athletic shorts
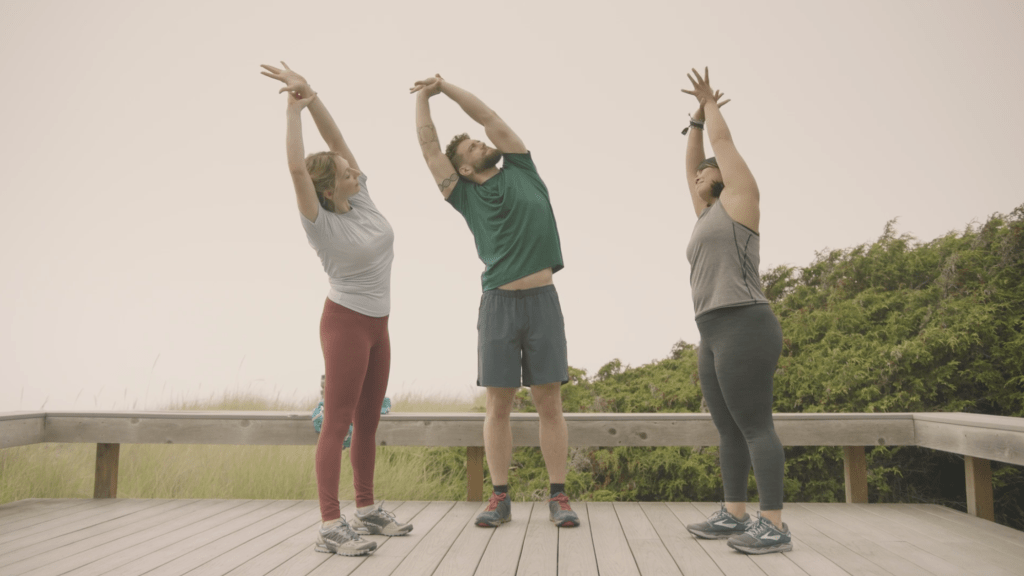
(521, 338)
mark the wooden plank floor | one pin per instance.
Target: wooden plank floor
(270, 537)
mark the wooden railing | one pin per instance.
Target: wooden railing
(979, 439)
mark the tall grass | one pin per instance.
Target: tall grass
(222, 471)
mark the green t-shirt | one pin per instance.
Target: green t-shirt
(511, 219)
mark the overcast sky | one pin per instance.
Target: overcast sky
(150, 243)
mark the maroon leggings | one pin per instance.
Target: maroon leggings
(357, 358)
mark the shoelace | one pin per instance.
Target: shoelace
(493, 502)
(345, 529)
(762, 527)
(722, 514)
(563, 501)
(380, 511)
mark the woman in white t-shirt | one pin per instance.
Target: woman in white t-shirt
(355, 243)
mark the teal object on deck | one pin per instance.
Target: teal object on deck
(318, 419)
(318, 416)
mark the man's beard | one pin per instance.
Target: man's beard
(489, 161)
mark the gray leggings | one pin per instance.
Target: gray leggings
(739, 350)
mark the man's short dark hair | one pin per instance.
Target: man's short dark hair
(452, 150)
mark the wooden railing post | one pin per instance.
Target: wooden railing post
(978, 472)
(475, 473)
(106, 470)
(855, 467)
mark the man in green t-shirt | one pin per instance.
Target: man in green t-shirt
(521, 338)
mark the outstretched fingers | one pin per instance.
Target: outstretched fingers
(272, 70)
(701, 80)
(702, 90)
(287, 75)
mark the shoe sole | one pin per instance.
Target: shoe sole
(321, 548)
(366, 532)
(566, 523)
(764, 550)
(491, 525)
(713, 536)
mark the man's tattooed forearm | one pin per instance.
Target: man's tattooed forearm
(427, 134)
(448, 181)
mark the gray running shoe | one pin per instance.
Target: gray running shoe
(379, 521)
(561, 513)
(498, 511)
(338, 538)
(721, 525)
(763, 538)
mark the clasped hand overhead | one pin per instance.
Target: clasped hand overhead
(430, 86)
(299, 91)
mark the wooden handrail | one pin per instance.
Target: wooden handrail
(979, 438)
(439, 429)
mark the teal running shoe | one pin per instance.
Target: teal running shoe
(763, 538)
(721, 525)
(498, 511)
(561, 513)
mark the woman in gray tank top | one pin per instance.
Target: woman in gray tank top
(740, 337)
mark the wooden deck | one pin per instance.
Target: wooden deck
(275, 537)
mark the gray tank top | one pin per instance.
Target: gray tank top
(724, 256)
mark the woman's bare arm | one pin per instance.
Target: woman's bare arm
(694, 156)
(305, 194)
(297, 85)
(740, 197)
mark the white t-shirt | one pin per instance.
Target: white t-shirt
(356, 249)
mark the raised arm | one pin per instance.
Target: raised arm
(305, 194)
(440, 166)
(740, 197)
(329, 131)
(498, 132)
(694, 156)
